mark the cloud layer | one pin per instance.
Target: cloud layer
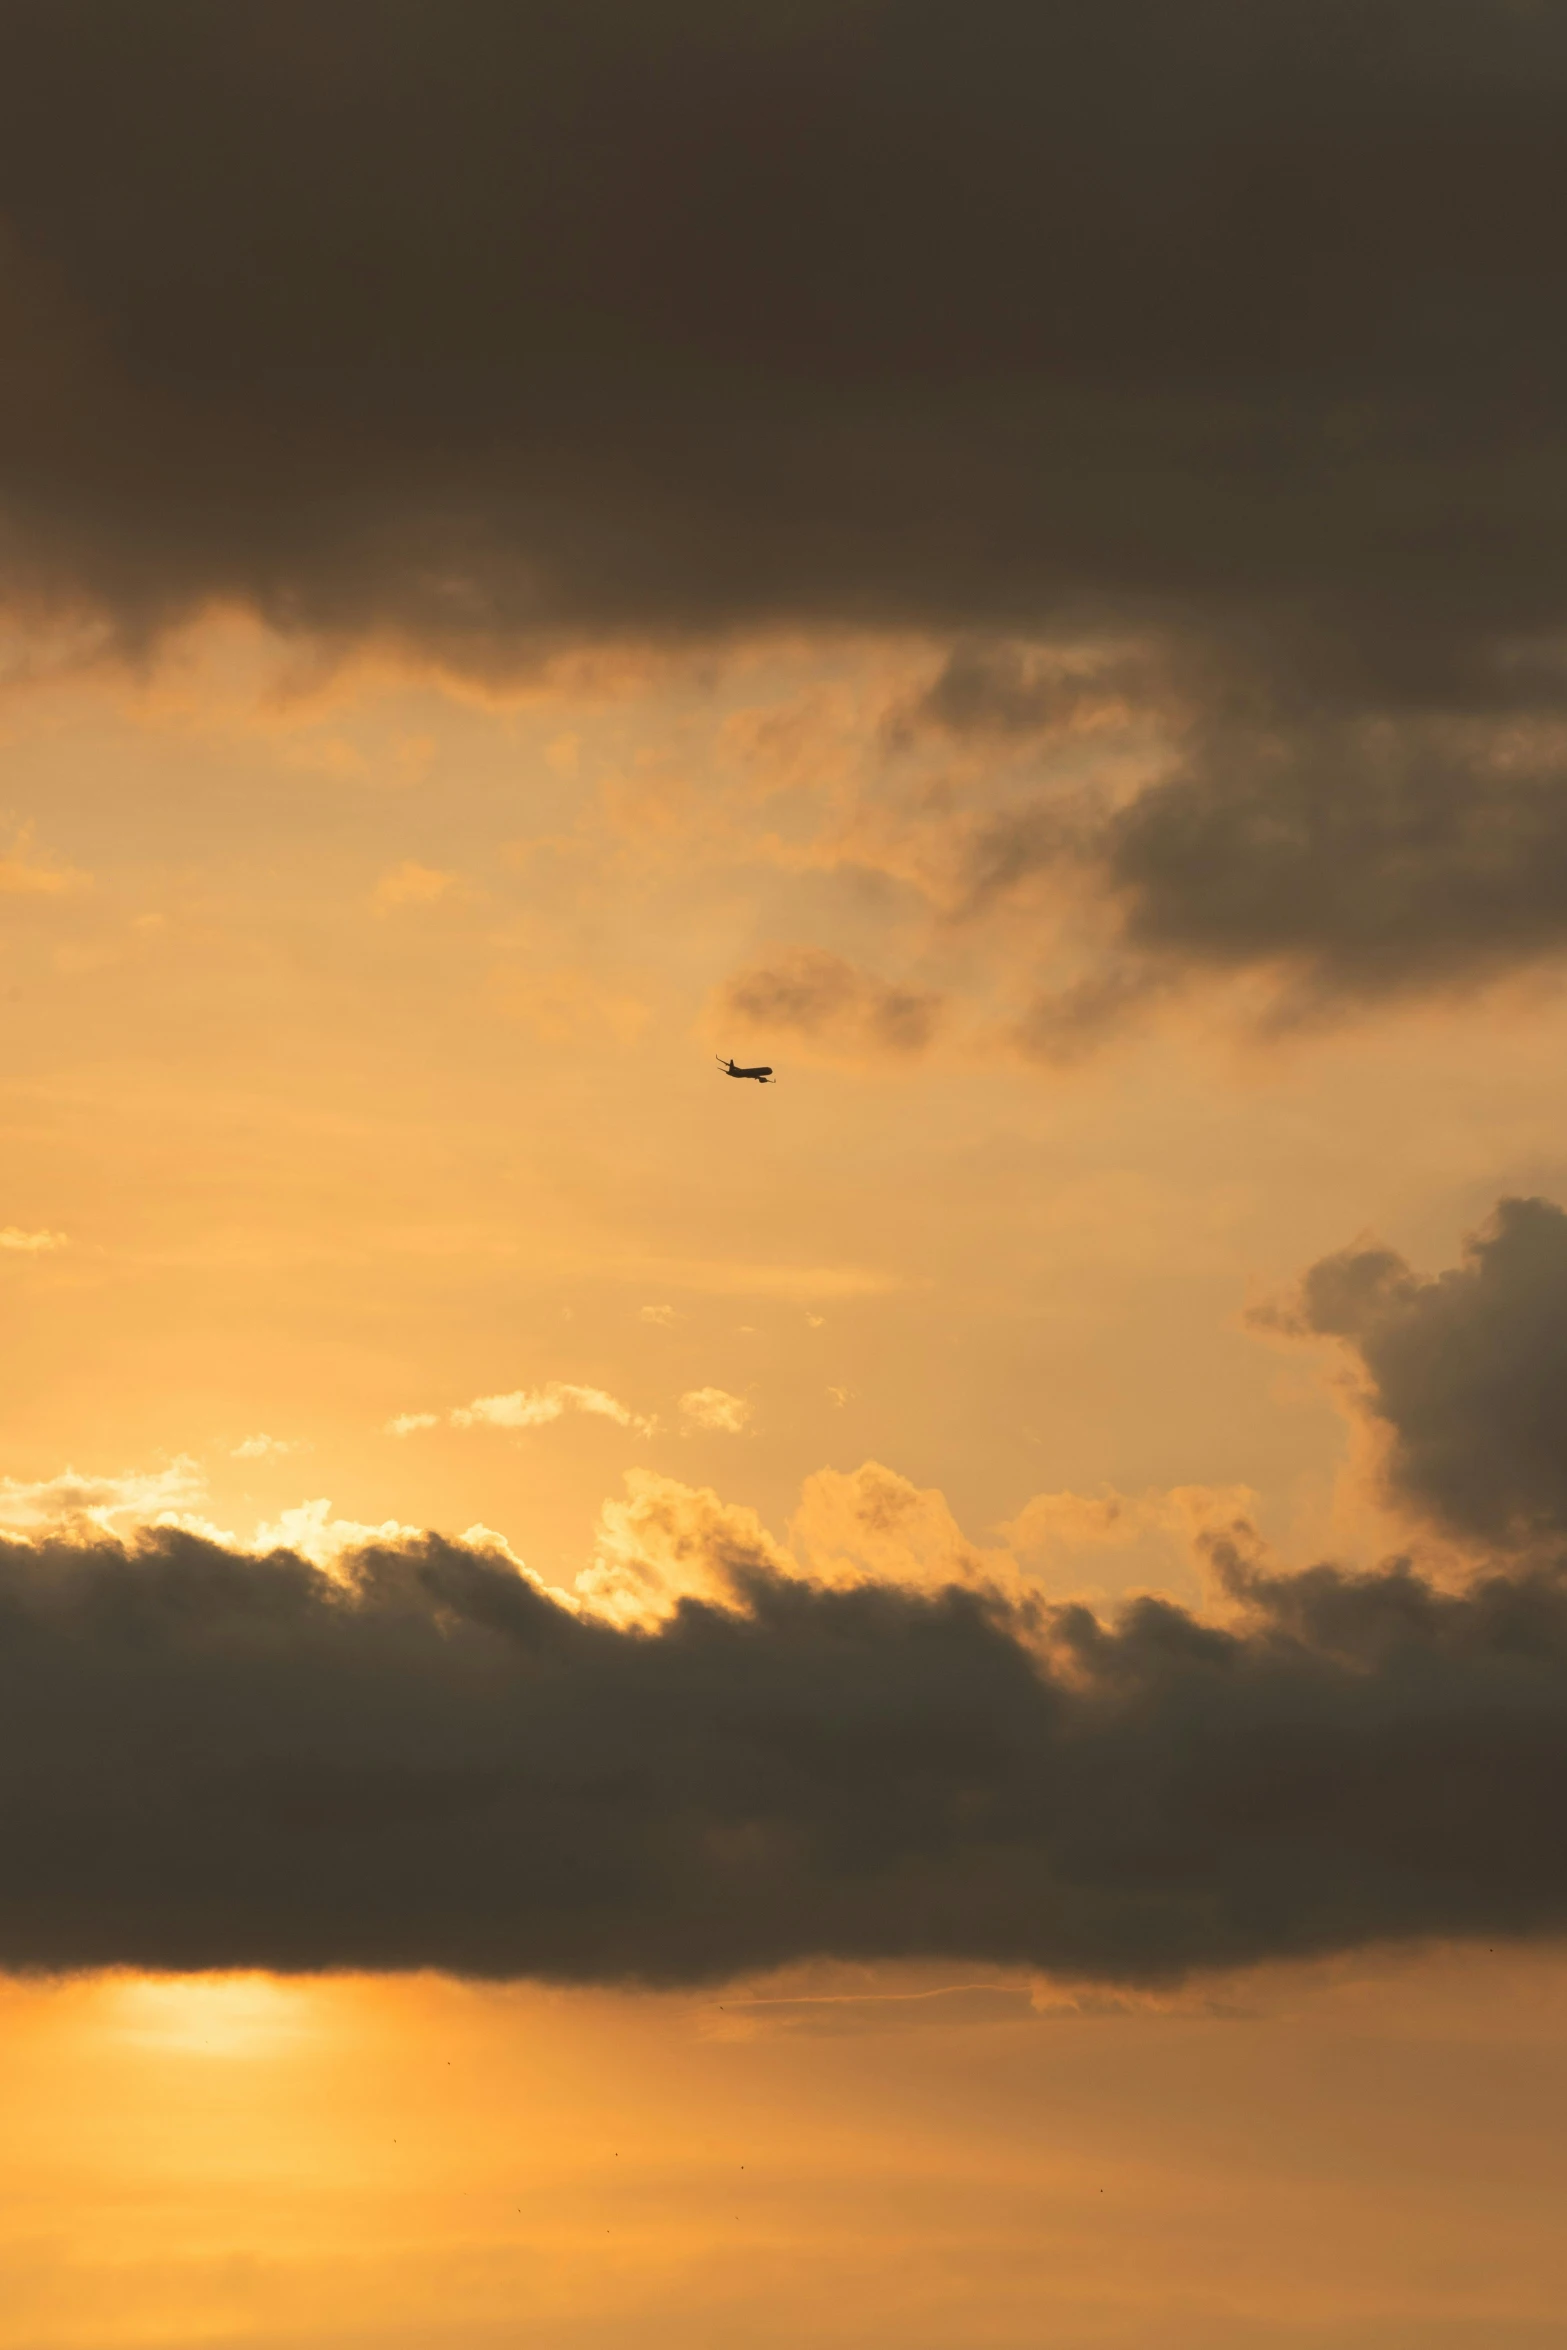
(1232, 331)
(482, 321)
(211, 1760)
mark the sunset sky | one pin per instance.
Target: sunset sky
(925, 1707)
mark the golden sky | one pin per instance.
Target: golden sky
(1368, 2155)
(359, 1070)
(925, 1706)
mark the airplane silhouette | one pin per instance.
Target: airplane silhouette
(762, 1076)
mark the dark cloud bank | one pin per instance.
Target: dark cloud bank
(655, 312)
(1239, 323)
(210, 1760)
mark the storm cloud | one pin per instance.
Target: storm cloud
(420, 1756)
(211, 1760)
(502, 317)
(1239, 325)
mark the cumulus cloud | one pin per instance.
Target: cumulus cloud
(714, 1408)
(31, 1243)
(141, 1496)
(1464, 1372)
(834, 1004)
(409, 1423)
(536, 1407)
(264, 1448)
(310, 1531)
(666, 1543)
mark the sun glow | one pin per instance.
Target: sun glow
(225, 2016)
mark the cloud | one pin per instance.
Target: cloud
(663, 1316)
(536, 1407)
(20, 877)
(734, 1277)
(667, 1543)
(833, 1003)
(1052, 1523)
(1348, 857)
(140, 1497)
(264, 1448)
(876, 1525)
(31, 1243)
(714, 1408)
(409, 884)
(563, 1003)
(1001, 687)
(1464, 1372)
(848, 314)
(422, 1760)
(360, 1746)
(1044, 334)
(309, 1531)
(1368, 858)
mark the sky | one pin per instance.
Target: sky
(924, 1706)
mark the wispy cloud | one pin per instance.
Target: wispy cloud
(20, 877)
(564, 1002)
(834, 1005)
(409, 1423)
(410, 884)
(31, 1243)
(736, 1277)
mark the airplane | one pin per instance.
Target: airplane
(762, 1076)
